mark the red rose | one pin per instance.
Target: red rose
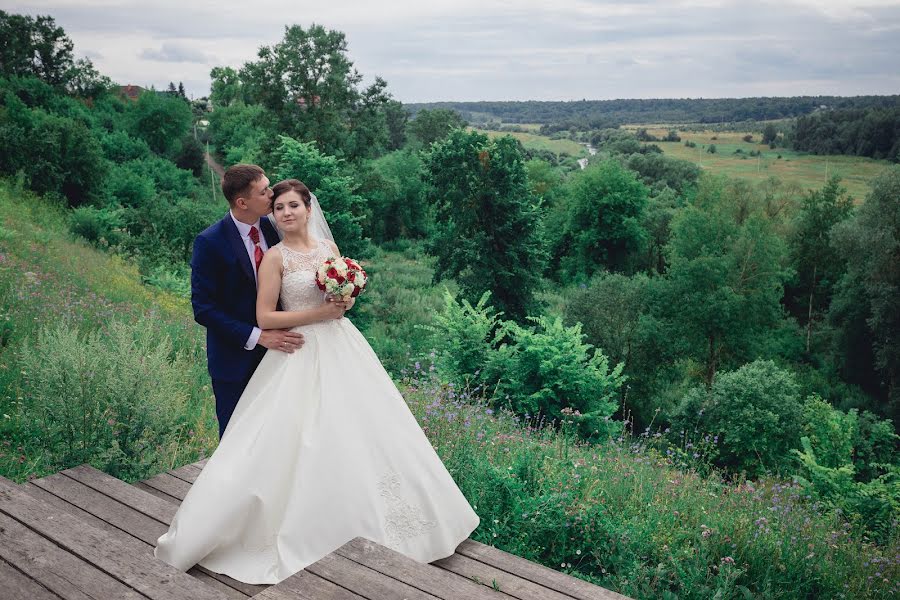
(339, 279)
(351, 276)
(332, 273)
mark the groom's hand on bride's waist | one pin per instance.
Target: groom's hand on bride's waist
(281, 340)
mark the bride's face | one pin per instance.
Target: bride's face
(291, 213)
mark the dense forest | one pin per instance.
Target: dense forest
(615, 337)
(679, 110)
(873, 132)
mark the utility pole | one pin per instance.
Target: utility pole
(212, 179)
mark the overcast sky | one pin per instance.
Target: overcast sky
(430, 50)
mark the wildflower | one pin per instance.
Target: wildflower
(727, 560)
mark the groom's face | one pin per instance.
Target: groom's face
(258, 197)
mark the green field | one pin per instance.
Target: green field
(533, 141)
(807, 170)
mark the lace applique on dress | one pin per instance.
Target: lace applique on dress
(298, 280)
(297, 260)
(403, 520)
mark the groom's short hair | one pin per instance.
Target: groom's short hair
(237, 179)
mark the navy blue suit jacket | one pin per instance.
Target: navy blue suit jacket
(223, 295)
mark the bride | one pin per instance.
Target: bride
(321, 447)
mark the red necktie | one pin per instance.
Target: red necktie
(257, 251)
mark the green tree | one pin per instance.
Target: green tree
(159, 120)
(868, 296)
(770, 134)
(601, 220)
(308, 81)
(431, 126)
(488, 232)
(817, 263)
(396, 118)
(226, 87)
(336, 192)
(35, 46)
(397, 194)
(724, 285)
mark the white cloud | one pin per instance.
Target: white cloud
(526, 49)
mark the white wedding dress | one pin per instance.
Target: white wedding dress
(321, 448)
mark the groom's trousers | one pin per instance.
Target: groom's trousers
(227, 395)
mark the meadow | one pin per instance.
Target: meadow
(535, 141)
(806, 170)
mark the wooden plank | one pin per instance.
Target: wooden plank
(218, 582)
(363, 580)
(306, 586)
(154, 508)
(169, 485)
(61, 572)
(187, 473)
(427, 578)
(18, 586)
(545, 576)
(496, 579)
(123, 517)
(154, 579)
(155, 492)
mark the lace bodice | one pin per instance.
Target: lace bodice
(298, 280)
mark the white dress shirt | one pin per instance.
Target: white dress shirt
(244, 230)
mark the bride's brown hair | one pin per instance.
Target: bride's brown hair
(292, 185)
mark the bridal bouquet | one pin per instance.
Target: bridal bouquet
(341, 277)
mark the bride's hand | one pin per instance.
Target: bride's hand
(333, 309)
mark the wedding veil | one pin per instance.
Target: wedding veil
(317, 226)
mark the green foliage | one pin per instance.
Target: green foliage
(870, 289)
(830, 432)
(239, 131)
(620, 515)
(755, 411)
(397, 202)
(431, 126)
(61, 155)
(546, 371)
(488, 232)
(37, 47)
(160, 120)
(817, 263)
(549, 372)
(598, 221)
(109, 398)
(723, 287)
(543, 178)
(830, 478)
(659, 171)
(609, 308)
(120, 147)
(336, 192)
(101, 226)
(308, 82)
(466, 336)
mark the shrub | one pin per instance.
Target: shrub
(755, 411)
(109, 398)
(100, 226)
(546, 371)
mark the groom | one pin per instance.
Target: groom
(223, 287)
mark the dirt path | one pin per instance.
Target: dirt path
(216, 167)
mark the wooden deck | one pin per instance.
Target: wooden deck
(83, 535)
